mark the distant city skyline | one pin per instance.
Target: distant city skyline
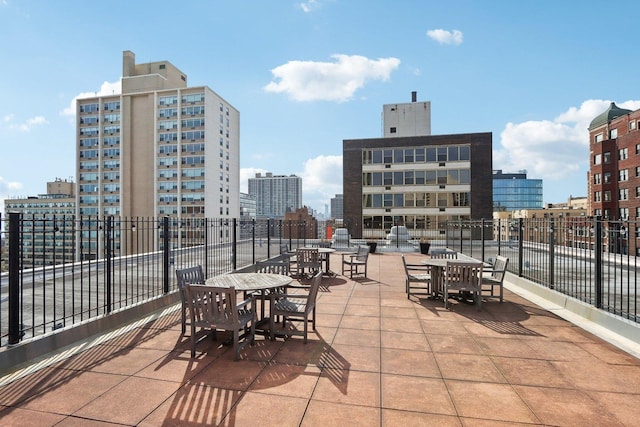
(532, 74)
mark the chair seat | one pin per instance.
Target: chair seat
(420, 277)
(291, 304)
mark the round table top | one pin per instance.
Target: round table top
(322, 250)
(249, 281)
(442, 262)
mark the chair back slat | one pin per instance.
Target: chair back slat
(463, 276)
(308, 258)
(443, 254)
(313, 290)
(213, 306)
(275, 267)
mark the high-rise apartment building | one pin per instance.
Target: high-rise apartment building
(337, 207)
(276, 194)
(408, 119)
(514, 191)
(48, 227)
(614, 176)
(159, 148)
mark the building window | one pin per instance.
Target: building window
(597, 178)
(607, 196)
(606, 158)
(637, 191)
(598, 138)
(623, 175)
(597, 159)
(596, 196)
(392, 130)
(607, 177)
(613, 133)
(632, 125)
(637, 170)
(623, 154)
(623, 194)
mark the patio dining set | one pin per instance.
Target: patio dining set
(284, 287)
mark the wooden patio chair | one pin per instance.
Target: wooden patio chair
(495, 277)
(463, 277)
(297, 307)
(418, 274)
(188, 276)
(352, 262)
(212, 308)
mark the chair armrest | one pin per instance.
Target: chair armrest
(245, 302)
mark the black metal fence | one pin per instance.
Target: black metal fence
(590, 259)
(59, 271)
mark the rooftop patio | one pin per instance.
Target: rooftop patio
(377, 359)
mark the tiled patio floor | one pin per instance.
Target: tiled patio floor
(378, 359)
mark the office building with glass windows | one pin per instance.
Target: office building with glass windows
(514, 191)
(420, 182)
(159, 148)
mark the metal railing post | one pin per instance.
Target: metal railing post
(14, 277)
(234, 247)
(269, 225)
(552, 250)
(520, 246)
(482, 239)
(108, 236)
(166, 252)
(598, 260)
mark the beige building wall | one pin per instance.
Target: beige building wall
(177, 152)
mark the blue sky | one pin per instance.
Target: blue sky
(306, 75)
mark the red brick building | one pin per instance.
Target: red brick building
(614, 172)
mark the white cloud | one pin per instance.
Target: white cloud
(107, 88)
(446, 37)
(329, 81)
(309, 5)
(26, 126)
(551, 149)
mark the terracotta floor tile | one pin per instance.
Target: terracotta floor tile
(354, 357)
(508, 347)
(399, 324)
(74, 393)
(193, 404)
(295, 351)
(393, 418)
(609, 353)
(624, 406)
(460, 344)
(362, 310)
(339, 415)
(416, 394)
(566, 407)
(25, 417)
(444, 327)
(177, 367)
(259, 409)
(409, 362)
(329, 320)
(287, 380)
(399, 312)
(600, 376)
(498, 402)
(469, 367)
(110, 406)
(229, 374)
(531, 372)
(42, 381)
(357, 337)
(360, 322)
(368, 300)
(348, 387)
(392, 299)
(128, 361)
(405, 341)
(323, 309)
(559, 351)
